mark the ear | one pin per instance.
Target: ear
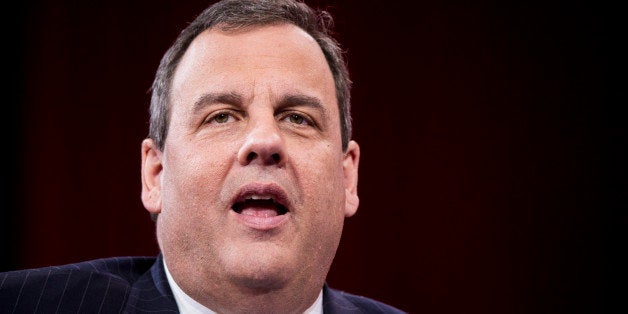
(151, 176)
(350, 168)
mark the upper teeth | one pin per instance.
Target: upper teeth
(260, 197)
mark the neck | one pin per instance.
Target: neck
(239, 297)
(280, 301)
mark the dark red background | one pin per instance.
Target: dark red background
(491, 178)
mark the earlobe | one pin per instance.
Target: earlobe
(151, 176)
(350, 168)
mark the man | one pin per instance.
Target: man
(248, 171)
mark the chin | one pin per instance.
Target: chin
(261, 270)
(264, 283)
(261, 278)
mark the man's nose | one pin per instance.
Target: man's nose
(263, 144)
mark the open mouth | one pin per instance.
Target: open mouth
(264, 206)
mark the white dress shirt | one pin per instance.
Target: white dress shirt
(187, 305)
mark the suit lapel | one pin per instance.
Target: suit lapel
(151, 292)
(334, 302)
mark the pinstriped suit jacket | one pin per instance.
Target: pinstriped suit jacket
(122, 285)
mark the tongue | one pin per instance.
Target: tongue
(259, 212)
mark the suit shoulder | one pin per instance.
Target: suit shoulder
(344, 302)
(72, 286)
(122, 268)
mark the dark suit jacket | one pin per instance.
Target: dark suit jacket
(122, 285)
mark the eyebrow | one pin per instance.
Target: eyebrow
(293, 100)
(287, 101)
(231, 98)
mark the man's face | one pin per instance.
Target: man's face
(252, 186)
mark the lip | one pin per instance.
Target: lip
(259, 222)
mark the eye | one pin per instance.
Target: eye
(296, 119)
(221, 117)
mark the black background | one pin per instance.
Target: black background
(493, 146)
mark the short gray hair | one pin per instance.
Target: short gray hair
(242, 14)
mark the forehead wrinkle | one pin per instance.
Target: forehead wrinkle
(281, 93)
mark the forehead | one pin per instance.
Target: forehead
(279, 58)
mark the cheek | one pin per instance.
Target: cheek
(193, 176)
(191, 183)
(325, 211)
(325, 186)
